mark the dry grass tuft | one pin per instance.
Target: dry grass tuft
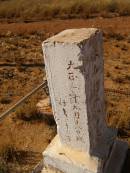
(28, 111)
(3, 167)
(9, 154)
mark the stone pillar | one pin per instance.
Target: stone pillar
(74, 67)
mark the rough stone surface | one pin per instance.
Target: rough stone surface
(74, 66)
(73, 35)
(48, 169)
(68, 160)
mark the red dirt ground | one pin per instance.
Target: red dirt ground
(34, 137)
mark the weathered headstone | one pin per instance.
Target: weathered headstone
(74, 67)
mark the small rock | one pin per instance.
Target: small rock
(9, 33)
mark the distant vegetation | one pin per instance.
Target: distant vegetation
(63, 9)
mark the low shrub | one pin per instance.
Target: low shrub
(5, 100)
(3, 167)
(28, 112)
(8, 154)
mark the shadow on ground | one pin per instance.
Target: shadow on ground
(126, 167)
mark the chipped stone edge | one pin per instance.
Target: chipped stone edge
(54, 40)
(49, 169)
(65, 159)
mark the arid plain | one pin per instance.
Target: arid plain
(22, 140)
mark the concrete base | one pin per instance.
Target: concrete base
(68, 160)
(61, 159)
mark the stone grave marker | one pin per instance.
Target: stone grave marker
(84, 143)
